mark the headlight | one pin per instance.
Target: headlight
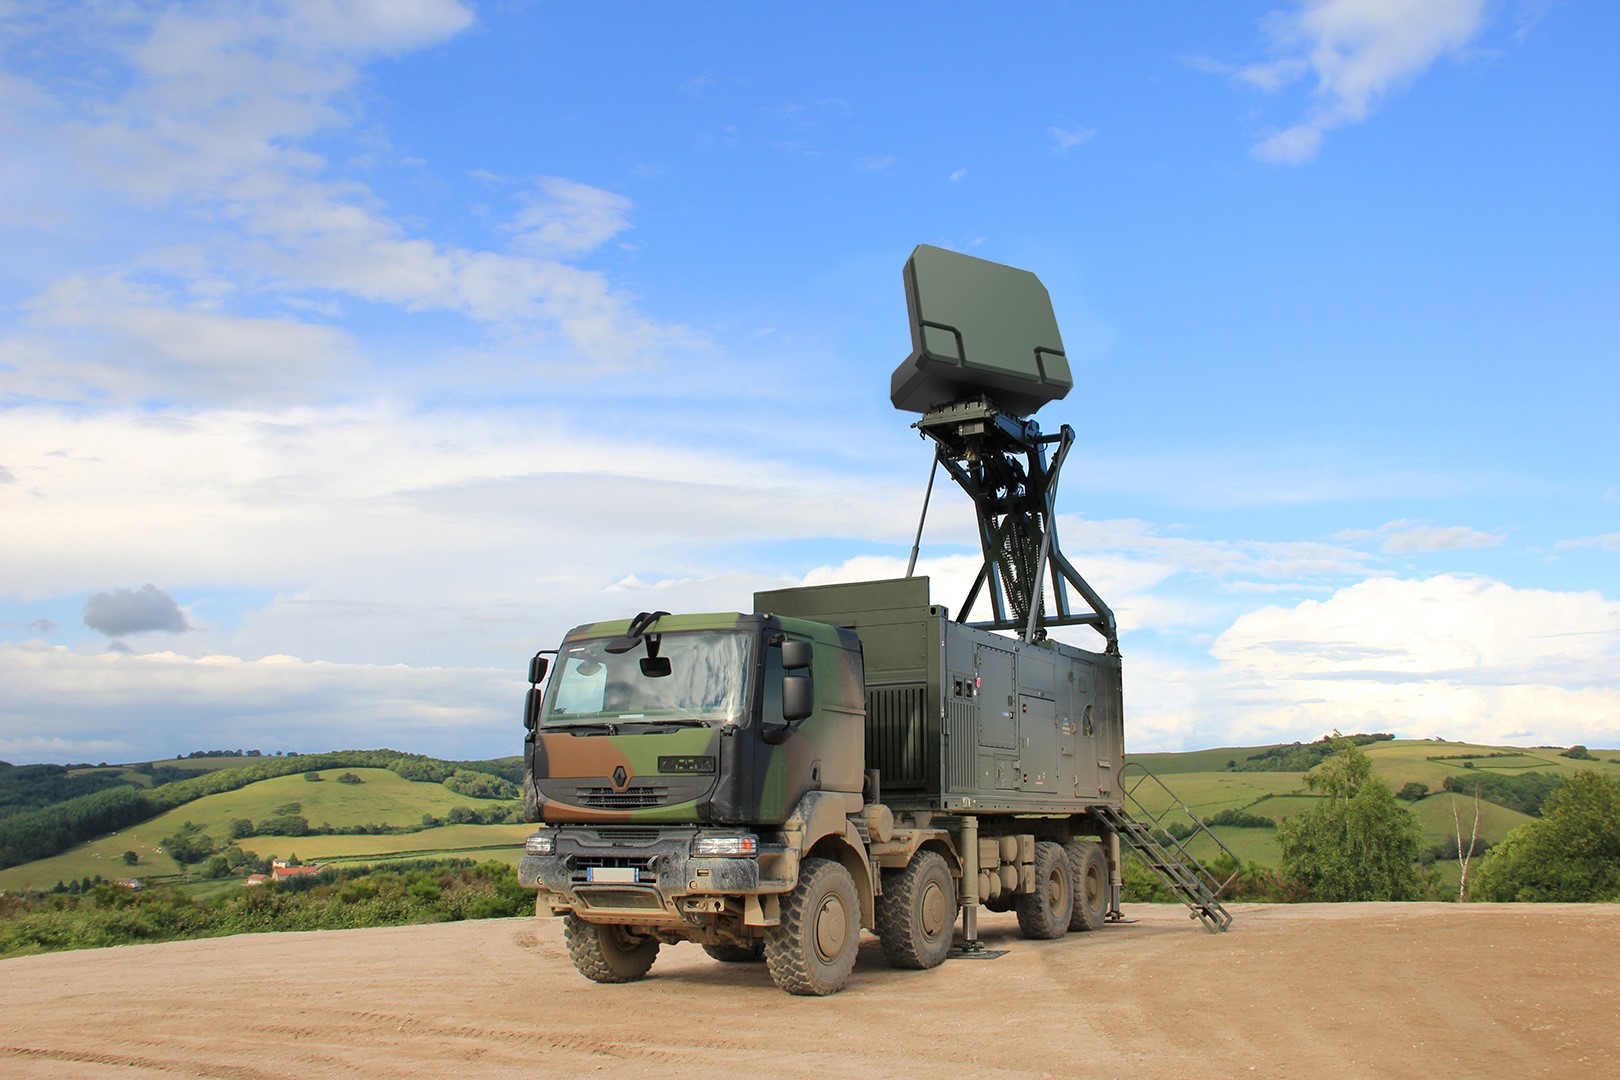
(746, 844)
(540, 843)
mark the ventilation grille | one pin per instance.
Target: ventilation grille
(636, 798)
(962, 736)
(895, 734)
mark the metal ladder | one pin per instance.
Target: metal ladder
(1166, 855)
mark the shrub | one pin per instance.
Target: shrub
(1355, 843)
(1571, 854)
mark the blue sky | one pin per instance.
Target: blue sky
(350, 352)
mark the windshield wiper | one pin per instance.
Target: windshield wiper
(585, 727)
(670, 722)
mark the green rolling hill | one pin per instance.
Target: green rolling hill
(1207, 783)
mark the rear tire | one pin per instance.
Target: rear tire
(729, 953)
(1088, 867)
(812, 951)
(916, 915)
(1044, 914)
(605, 953)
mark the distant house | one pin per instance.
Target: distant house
(256, 879)
(284, 873)
(131, 883)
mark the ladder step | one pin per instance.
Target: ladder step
(1186, 882)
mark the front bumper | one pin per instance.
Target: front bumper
(641, 869)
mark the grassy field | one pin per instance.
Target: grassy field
(382, 798)
(1199, 779)
(446, 840)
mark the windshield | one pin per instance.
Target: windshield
(704, 679)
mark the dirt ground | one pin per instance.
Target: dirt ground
(1353, 990)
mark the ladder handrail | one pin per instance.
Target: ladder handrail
(1173, 862)
(1216, 887)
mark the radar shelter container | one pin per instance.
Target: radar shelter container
(960, 719)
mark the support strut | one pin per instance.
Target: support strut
(1000, 461)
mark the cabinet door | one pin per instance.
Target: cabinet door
(998, 723)
(1038, 738)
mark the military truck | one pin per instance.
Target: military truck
(849, 757)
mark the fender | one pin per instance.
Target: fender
(821, 823)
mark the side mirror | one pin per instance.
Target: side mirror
(537, 669)
(795, 655)
(531, 708)
(798, 697)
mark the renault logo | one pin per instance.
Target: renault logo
(620, 777)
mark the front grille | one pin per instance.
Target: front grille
(580, 862)
(630, 836)
(641, 793)
(636, 798)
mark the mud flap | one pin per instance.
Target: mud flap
(762, 909)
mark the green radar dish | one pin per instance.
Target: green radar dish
(978, 328)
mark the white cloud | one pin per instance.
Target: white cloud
(1291, 146)
(124, 707)
(1359, 51)
(120, 340)
(1606, 541)
(568, 219)
(377, 533)
(206, 113)
(1458, 656)
(1428, 538)
(956, 175)
(1230, 559)
(1069, 138)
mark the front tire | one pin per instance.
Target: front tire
(812, 951)
(1044, 914)
(916, 915)
(1089, 868)
(605, 953)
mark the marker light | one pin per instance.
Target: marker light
(540, 843)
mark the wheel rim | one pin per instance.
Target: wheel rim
(831, 928)
(933, 911)
(1057, 886)
(1093, 886)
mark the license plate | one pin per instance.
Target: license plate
(617, 875)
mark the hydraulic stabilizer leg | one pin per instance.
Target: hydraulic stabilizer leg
(970, 885)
